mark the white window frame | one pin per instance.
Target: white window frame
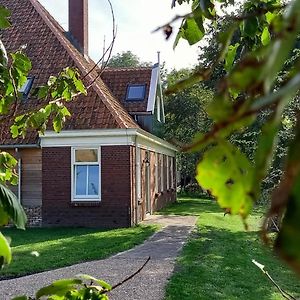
(89, 198)
(156, 172)
(162, 172)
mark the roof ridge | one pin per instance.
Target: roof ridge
(112, 104)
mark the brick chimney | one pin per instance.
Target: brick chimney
(78, 24)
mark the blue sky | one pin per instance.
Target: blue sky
(135, 19)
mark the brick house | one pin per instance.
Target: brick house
(106, 168)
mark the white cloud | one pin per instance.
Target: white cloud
(136, 19)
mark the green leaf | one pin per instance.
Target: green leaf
(58, 288)
(67, 95)
(65, 112)
(179, 35)
(14, 129)
(95, 280)
(80, 87)
(4, 218)
(58, 122)
(4, 17)
(220, 109)
(21, 62)
(191, 31)
(5, 250)
(43, 92)
(227, 173)
(20, 298)
(265, 37)
(270, 17)
(250, 26)
(12, 207)
(230, 56)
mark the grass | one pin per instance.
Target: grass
(216, 262)
(59, 247)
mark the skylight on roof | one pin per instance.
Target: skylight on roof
(25, 89)
(136, 92)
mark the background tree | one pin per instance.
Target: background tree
(126, 59)
(183, 109)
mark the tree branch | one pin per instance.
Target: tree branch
(129, 277)
(284, 294)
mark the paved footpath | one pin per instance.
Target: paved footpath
(163, 248)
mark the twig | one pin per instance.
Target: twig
(177, 17)
(110, 47)
(131, 276)
(274, 223)
(284, 294)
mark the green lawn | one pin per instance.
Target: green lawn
(216, 262)
(58, 247)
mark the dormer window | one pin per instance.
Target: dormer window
(136, 92)
(25, 89)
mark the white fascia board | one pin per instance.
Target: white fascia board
(153, 89)
(77, 138)
(153, 143)
(107, 137)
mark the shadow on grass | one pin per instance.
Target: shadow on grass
(191, 206)
(197, 206)
(68, 247)
(36, 235)
(216, 264)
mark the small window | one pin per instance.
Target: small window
(25, 89)
(86, 174)
(86, 155)
(136, 92)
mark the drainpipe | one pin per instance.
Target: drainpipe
(19, 174)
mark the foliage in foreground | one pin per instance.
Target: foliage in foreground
(218, 258)
(264, 33)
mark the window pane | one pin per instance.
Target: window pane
(81, 176)
(86, 155)
(136, 92)
(93, 180)
(26, 86)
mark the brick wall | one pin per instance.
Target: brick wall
(34, 216)
(167, 195)
(164, 195)
(114, 208)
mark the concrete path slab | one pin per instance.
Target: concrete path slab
(163, 248)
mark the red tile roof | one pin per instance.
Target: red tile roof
(50, 51)
(118, 79)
